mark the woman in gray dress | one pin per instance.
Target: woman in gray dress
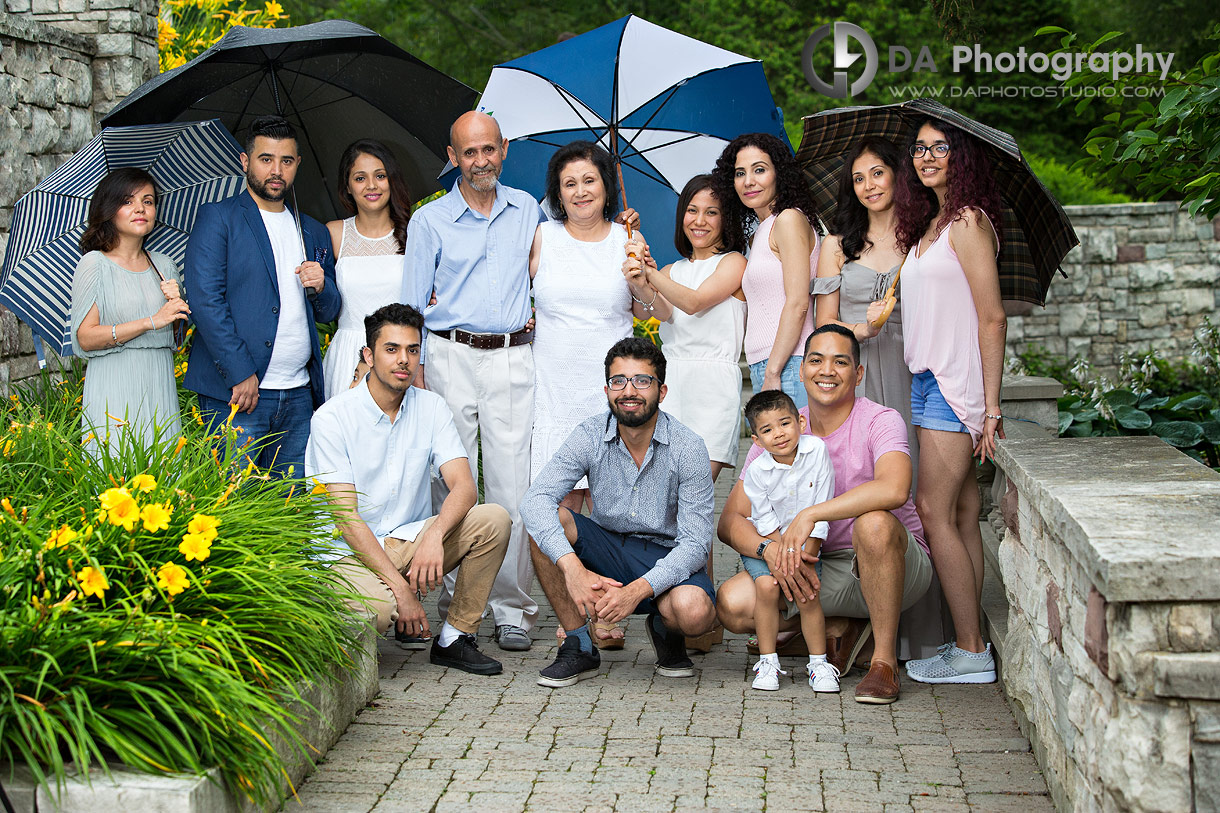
(858, 263)
(125, 301)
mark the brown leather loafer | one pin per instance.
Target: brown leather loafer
(842, 651)
(879, 686)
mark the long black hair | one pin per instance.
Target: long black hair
(111, 193)
(791, 190)
(400, 197)
(851, 217)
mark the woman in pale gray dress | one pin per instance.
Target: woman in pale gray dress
(857, 266)
(125, 301)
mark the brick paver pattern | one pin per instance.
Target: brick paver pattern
(442, 740)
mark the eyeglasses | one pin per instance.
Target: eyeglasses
(640, 382)
(940, 149)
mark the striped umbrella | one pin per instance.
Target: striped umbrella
(193, 163)
(1035, 234)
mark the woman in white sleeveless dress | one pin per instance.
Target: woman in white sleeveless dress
(703, 319)
(369, 249)
(582, 303)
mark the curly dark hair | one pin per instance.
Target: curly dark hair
(851, 217)
(111, 193)
(791, 190)
(634, 347)
(400, 198)
(581, 151)
(395, 313)
(971, 184)
(693, 187)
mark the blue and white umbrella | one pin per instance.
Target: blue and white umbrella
(193, 163)
(664, 104)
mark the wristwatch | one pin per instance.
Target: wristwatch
(761, 547)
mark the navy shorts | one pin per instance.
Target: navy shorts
(626, 558)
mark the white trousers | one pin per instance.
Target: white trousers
(491, 394)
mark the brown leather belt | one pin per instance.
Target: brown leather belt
(487, 341)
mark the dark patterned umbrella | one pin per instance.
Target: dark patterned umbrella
(1035, 234)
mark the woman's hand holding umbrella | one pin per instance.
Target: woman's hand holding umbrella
(174, 310)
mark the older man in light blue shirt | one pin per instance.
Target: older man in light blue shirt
(471, 248)
(374, 447)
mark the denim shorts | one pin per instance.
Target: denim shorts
(789, 380)
(928, 406)
(758, 567)
(625, 558)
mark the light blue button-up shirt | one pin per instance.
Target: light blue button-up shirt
(389, 462)
(478, 265)
(667, 500)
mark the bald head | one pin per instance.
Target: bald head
(477, 148)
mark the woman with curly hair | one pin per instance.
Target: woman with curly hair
(368, 250)
(125, 301)
(953, 335)
(759, 182)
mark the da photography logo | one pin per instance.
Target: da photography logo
(841, 33)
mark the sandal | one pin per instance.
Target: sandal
(603, 635)
(704, 643)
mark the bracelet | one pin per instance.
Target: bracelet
(151, 322)
(647, 305)
(114, 334)
(995, 417)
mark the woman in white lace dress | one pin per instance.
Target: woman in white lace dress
(369, 249)
(582, 302)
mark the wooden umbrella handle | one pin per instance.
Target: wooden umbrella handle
(889, 299)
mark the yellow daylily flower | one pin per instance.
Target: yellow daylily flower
(318, 487)
(195, 548)
(156, 516)
(8, 507)
(112, 497)
(92, 581)
(60, 538)
(204, 526)
(121, 508)
(143, 483)
(172, 579)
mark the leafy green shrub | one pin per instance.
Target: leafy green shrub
(1072, 186)
(158, 606)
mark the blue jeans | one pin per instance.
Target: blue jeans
(789, 380)
(279, 424)
(928, 406)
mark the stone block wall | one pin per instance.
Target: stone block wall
(1143, 276)
(1112, 648)
(63, 65)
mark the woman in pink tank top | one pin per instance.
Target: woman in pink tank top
(759, 182)
(953, 338)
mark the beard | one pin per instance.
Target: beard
(484, 183)
(260, 188)
(634, 419)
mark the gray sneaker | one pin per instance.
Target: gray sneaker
(512, 639)
(954, 665)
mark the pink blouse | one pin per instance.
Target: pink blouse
(763, 284)
(940, 329)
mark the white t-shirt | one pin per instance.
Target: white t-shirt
(291, 351)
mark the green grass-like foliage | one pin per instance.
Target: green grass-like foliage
(169, 639)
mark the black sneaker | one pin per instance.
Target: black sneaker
(571, 666)
(407, 641)
(671, 651)
(464, 654)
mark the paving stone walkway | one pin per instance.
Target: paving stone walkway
(443, 740)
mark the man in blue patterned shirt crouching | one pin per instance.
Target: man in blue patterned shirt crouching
(644, 547)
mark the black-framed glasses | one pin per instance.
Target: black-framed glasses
(940, 149)
(640, 382)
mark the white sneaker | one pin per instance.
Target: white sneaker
(823, 677)
(768, 675)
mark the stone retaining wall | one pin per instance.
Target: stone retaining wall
(63, 65)
(1111, 654)
(1143, 276)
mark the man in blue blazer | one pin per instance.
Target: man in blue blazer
(257, 288)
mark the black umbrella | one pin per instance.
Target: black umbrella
(1036, 233)
(336, 81)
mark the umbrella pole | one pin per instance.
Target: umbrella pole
(618, 166)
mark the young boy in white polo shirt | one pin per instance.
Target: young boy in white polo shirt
(793, 472)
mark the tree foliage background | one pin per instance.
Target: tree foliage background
(467, 37)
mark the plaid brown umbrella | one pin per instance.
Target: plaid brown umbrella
(1035, 234)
